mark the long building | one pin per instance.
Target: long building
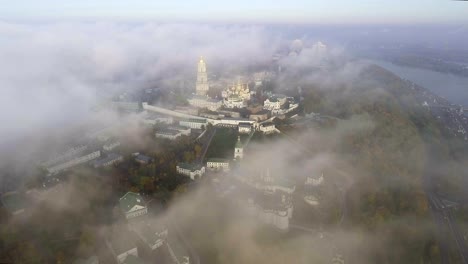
(79, 158)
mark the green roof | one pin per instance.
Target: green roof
(190, 166)
(218, 160)
(129, 200)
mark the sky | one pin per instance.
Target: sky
(260, 11)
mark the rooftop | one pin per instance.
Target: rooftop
(143, 158)
(190, 166)
(195, 120)
(129, 200)
(150, 232)
(110, 157)
(176, 127)
(218, 160)
(169, 132)
(121, 239)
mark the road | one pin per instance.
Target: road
(443, 217)
(206, 142)
(193, 255)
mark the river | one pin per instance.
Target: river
(453, 88)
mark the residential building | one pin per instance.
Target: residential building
(184, 130)
(274, 209)
(314, 181)
(194, 171)
(155, 118)
(122, 244)
(67, 155)
(151, 233)
(217, 164)
(267, 128)
(111, 159)
(79, 158)
(143, 159)
(111, 145)
(275, 102)
(245, 128)
(132, 205)
(194, 123)
(168, 133)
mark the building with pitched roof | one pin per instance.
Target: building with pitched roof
(245, 128)
(217, 164)
(122, 244)
(171, 134)
(111, 159)
(151, 233)
(132, 205)
(143, 159)
(194, 123)
(192, 170)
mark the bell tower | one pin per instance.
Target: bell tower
(202, 78)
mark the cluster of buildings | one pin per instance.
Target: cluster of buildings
(128, 242)
(267, 197)
(311, 185)
(98, 153)
(237, 96)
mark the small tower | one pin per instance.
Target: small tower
(202, 85)
(238, 149)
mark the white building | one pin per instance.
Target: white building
(201, 101)
(245, 128)
(154, 118)
(153, 234)
(194, 123)
(168, 134)
(216, 164)
(111, 159)
(267, 128)
(194, 171)
(275, 102)
(121, 245)
(79, 158)
(132, 205)
(238, 149)
(111, 145)
(271, 212)
(314, 181)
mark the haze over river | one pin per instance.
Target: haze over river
(453, 88)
